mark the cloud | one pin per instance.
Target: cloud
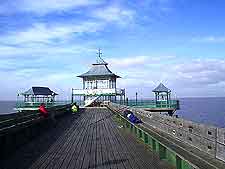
(44, 43)
(136, 61)
(48, 40)
(97, 9)
(140, 71)
(209, 39)
(195, 77)
(201, 72)
(44, 7)
(45, 51)
(128, 62)
(45, 33)
(200, 77)
(114, 13)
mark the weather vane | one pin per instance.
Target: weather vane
(99, 52)
(99, 59)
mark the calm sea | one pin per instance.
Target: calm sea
(210, 111)
(204, 110)
(7, 107)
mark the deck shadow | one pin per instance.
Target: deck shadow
(25, 155)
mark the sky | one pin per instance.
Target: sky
(180, 43)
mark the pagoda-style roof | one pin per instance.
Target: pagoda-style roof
(161, 88)
(99, 70)
(44, 91)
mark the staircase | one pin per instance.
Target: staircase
(88, 102)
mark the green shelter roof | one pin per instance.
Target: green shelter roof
(45, 91)
(161, 88)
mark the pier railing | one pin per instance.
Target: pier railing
(19, 128)
(165, 153)
(34, 105)
(206, 139)
(21, 119)
(98, 92)
(173, 104)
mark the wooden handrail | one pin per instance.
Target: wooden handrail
(19, 119)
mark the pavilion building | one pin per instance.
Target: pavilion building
(163, 100)
(162, 93)
(32, 98)
(99, 84)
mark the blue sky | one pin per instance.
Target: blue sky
(178, 42)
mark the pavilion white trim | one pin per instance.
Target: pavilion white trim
(99, 84)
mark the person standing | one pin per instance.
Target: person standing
(74, 108)
(43, 111)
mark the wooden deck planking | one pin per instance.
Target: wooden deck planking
(69, 145)
(131, 151)
(108, 157)
(121, 151)
(93, 149)
(99, 143)
(77, 146)
(71, 149)
(118, 140)
(94, 141)
(110, 153)
(84, 157)
(57, 145)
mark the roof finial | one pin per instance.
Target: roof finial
(99, 59)
(99, 53)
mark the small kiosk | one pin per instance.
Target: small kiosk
(163, 100)
(32, 98)
(162, 95)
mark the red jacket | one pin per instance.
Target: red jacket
(43, 110)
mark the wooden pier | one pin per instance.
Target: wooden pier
(90, 139)
(96, 138)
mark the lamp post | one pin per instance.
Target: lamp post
(72, 96)
(136, 98)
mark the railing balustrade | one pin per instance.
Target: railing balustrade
(151, 104)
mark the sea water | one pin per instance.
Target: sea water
(7, 107)
(209, 111)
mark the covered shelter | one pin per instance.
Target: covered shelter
(162, 94)
(35, 96)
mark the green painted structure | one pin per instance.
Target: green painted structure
(31, 99)
(164, 152)
(174, 104)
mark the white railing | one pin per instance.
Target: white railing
(93, 92)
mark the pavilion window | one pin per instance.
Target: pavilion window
(99, 77)
(89, 85)
(99, 84)
(107, 84)
(110, 83)
(113, 84)
(94, 85)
